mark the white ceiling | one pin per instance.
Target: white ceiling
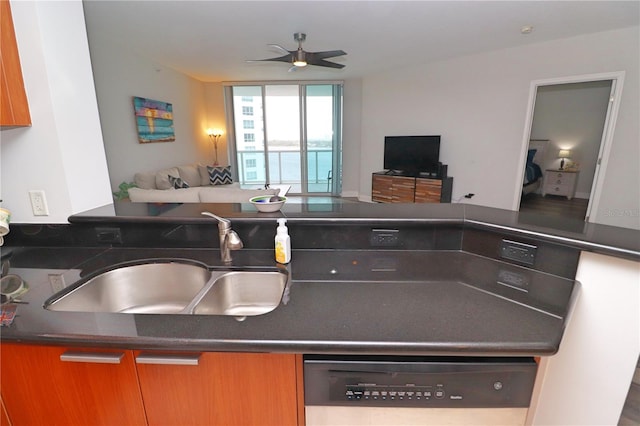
(211, 40)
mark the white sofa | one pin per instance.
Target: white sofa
(155, 187)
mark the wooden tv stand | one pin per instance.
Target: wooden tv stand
(394, 188)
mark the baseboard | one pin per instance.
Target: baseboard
(349, 194)
(584, 195)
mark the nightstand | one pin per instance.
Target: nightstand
(560, 182)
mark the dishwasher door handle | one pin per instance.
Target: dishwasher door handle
(352, 372)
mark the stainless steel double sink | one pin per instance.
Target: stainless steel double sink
(175, 287)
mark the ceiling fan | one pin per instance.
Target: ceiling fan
(300, 58)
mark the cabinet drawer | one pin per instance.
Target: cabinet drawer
(403, 183)
(403, 189)
(382, 189)
(382, 181)
(561, 178)
(558, 189)
(428, 190)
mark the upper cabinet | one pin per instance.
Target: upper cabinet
(14, 108)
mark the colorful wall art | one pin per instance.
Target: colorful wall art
(154, 120)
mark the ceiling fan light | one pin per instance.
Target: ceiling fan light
(300, 58)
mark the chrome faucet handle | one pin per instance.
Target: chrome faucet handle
(223, 223)
(233, 241)
(229, 239)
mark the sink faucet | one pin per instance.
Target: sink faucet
(229, 240)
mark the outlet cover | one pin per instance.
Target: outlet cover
(38, 203)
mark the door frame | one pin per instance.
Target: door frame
(617, 81)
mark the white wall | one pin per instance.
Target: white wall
(62, 152)
(587, 381)
(478, 104)
(119, 76)
(351, 137)
(214, 95)
(572, 116)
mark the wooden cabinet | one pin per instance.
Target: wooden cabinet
(381, 188)
(406, 189)
(428, 190)
(14, 108)
(392, 189)
(4, 417)
(223, 389)
(67, 386)
(39, 388)
(560, 182)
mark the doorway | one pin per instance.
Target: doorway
(569, 129)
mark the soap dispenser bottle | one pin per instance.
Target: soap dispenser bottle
(283, 242)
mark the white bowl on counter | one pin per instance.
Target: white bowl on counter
(263, 203)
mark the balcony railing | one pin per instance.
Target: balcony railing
(284, 169)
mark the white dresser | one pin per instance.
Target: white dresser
(560, 182)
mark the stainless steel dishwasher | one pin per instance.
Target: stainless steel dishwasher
(414, 390)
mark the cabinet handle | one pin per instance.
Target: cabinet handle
(167, 359)
(95, 358)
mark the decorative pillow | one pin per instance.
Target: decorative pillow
(219, 175)
(145, 180)
(177, 183)
(162, 178)
(204, 175)
(530, 154)
(189, 173)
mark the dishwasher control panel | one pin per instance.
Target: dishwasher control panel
(462, 382)
(408, 392)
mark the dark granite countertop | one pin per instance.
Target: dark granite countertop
(609, 240)
(353, 301)
(443, 289)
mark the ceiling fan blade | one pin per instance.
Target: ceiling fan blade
(285, 58)
(327, 54)
(280, 48)
(323, 63)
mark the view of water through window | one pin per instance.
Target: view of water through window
(286, 134)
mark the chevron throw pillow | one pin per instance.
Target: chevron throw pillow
(177, 183)
(220, 175)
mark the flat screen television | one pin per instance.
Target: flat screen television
(412, 155)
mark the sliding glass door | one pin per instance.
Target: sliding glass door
(283, 133)
(287, 134)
